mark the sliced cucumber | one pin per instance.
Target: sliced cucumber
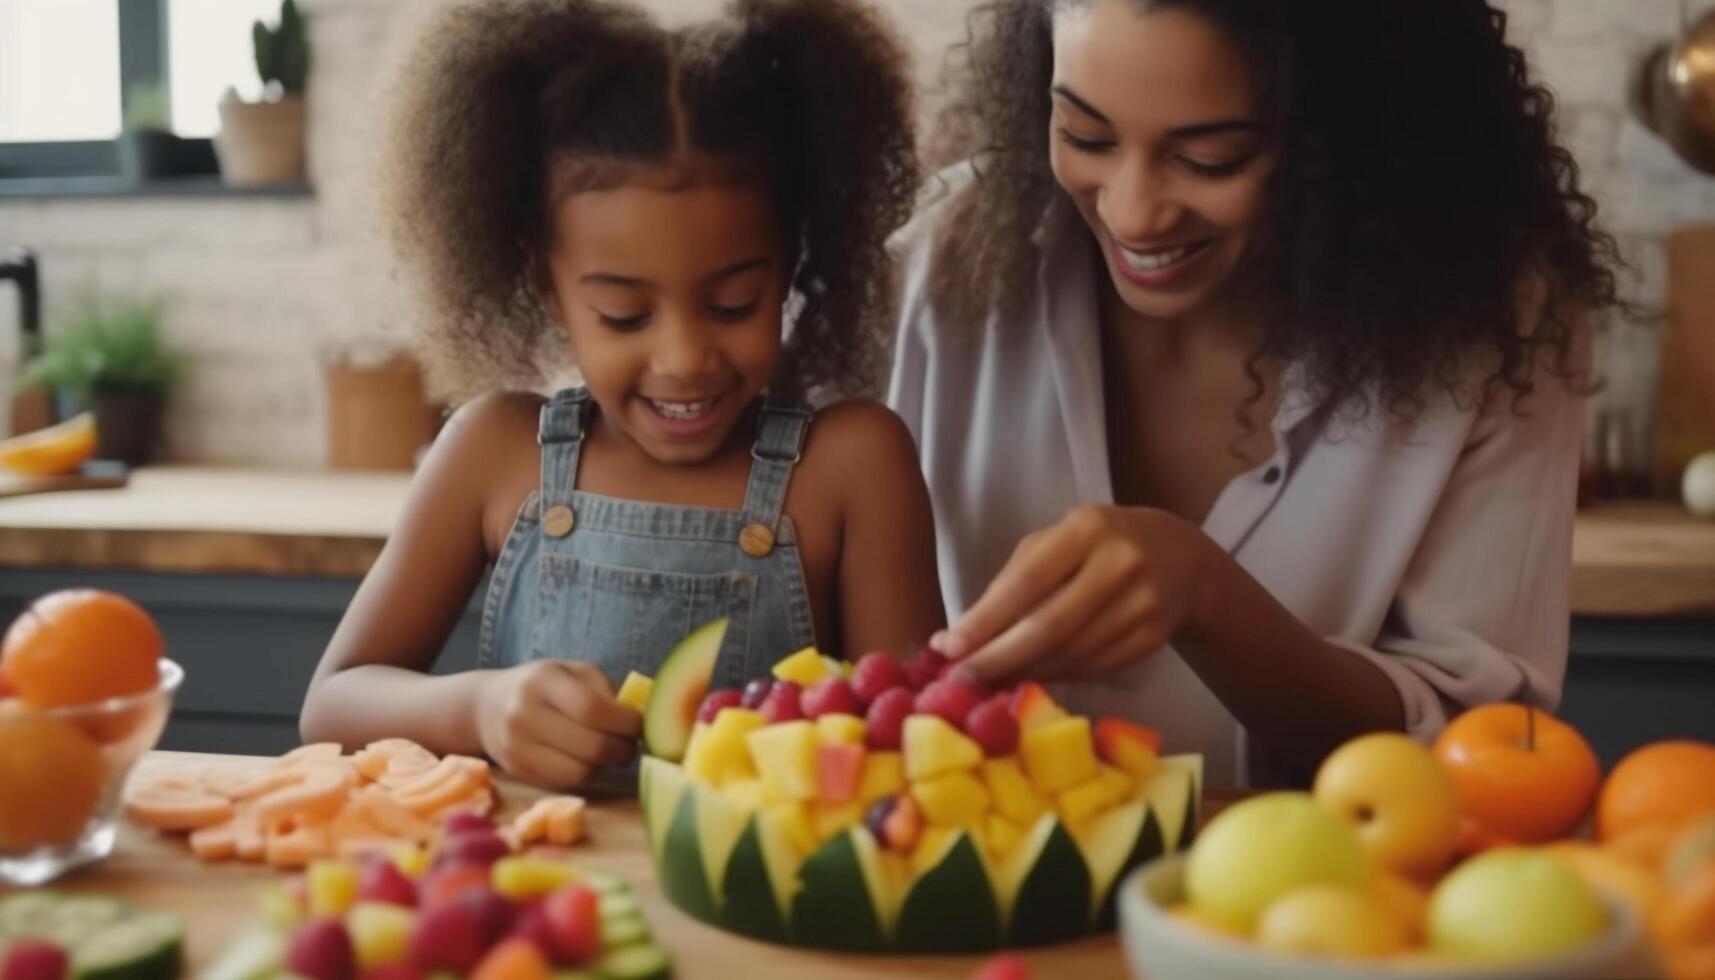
(147, 946)
(618, 906)
(78, 917)
(254, 955)
(22, 914)
(623, 931)
(606, 883)
(641, 962)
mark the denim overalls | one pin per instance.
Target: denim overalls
(616, 583)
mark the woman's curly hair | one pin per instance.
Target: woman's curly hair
(505, 102)
(1422, 211)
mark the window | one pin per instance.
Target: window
(65, 64)
(208, 49)
(59, 70)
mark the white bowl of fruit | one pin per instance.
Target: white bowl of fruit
(886, 807)
(1362, 879)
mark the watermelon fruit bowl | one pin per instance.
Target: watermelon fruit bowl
(887, 807)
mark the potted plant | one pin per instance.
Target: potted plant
(147, 147)
(112, 360)
(263, 142)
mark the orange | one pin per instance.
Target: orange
(1664, 783)
(80, 646)
(52, 773)
(1688, 916)
(1521, 775)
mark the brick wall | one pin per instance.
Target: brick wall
(264, 290)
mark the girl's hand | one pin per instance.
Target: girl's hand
(553, 723)
(1103, 588)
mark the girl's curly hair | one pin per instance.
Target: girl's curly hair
(504, 102)
(1422, 211)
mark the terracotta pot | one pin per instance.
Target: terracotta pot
(128, 425)
(262, 143)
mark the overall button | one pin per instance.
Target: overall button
(756, 540)
(1271, 476)
(558, 521)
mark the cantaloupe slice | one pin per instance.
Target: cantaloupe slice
(678, 691)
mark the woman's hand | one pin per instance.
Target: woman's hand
(553, 723)
(1103, 588)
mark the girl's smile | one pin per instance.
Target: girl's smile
(670, 286)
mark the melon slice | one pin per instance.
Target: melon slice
(761, 881)
(1116, 842)
(951, 907)
(1171, 792)
(678, 691)
(1045, 887)
(684, 876)
(842, 904)
(661, 785)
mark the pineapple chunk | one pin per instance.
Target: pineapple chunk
(744, 794)
(840, 729)
(805, 668)
(717, 753)
(829, 819)
(634, 693)
(1013, 795)
(793, 819)
(952, 799)
(933, 747)
(883, 775)
(785, 757)
(1058, 755)
(1003, 834)
(1080, 804)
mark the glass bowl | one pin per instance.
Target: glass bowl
(66, 813)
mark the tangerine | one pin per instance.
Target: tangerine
(1662, 784)
(80, 646)
(53, 776)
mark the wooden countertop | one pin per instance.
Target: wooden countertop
(1631, 559)
(218, 900)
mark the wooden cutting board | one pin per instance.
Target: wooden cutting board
(1685, 405)
(14, 485)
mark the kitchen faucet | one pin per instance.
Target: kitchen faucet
(30, 409)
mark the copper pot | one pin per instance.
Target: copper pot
(1673, 93)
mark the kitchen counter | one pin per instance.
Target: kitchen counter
(218, 900)
(1632, 559)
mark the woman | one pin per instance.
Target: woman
(1245, 357)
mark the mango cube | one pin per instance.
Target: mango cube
(1003, 835)
(744, 794)
(520, 878)
(932, 747)
(330, 887)
(380, 933)
(634, 692)
(1057, 755)
(1014, 797)
(883, 775)
(785, 756)
(795, 825)
(840, 729)
(717, 753)
(829, 819)
(804, 668)
(952, 799)
(1080, 804)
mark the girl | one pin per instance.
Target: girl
(699, 215)
(1289, 297)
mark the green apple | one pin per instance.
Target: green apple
(1398, 797)
(1260, 849)
(1513, 903)
(1329, 920)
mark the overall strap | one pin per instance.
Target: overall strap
(780, 434)
(561, 435)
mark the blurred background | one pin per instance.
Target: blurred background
(188, 240)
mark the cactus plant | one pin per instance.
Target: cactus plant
(283, 52)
